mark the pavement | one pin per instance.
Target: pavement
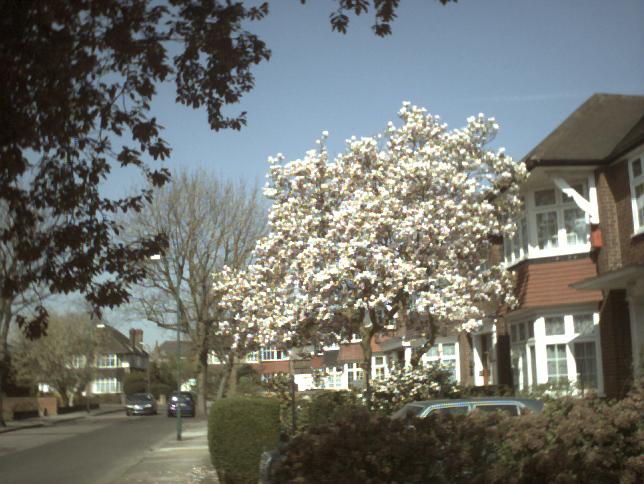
(172, 461)
(30, 423)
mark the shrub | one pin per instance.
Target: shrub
(585, 440)
(330, 406)
(135, 382)
(239, 430)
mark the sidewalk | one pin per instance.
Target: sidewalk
(172, 461)
(30, 423)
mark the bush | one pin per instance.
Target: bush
(239, 430)
(584, 440)
(135, 382)
(330, 406)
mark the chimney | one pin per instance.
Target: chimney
(136, 337)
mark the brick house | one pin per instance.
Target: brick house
(578, 252)
(117, 356)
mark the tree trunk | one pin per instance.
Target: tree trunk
(64, 396)
(202, 387)
(366, 335)
(5, 321)
(232, 379)
(222, 383)
(417, 354)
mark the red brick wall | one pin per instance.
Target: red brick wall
(619, 249)
(614, 327)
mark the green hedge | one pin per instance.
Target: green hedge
(585, 440)
(330, 406)
(239, 430)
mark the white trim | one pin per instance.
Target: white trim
(582, 203)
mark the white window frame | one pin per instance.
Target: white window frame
(273, 354)
(634, 181)
(521, 349)
(447, 360)
(106, 385)
(108, 360)
(524, 243)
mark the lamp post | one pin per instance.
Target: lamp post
(178, 304)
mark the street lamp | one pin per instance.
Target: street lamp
(178, 304)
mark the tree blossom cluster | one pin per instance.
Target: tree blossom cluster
(397, 230)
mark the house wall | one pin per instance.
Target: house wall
(620, 248)
(615, 343)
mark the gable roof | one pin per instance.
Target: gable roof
(111, 340)
(601, 129)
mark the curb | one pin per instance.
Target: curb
(4, 430)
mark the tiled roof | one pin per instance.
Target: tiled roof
(602, 128)
(270, 367)
(113, 341)
(548, 283)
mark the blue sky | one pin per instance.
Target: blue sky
(527, 63)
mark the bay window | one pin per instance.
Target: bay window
(558, 220)
(552, 224)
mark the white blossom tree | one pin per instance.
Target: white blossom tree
(396, 231)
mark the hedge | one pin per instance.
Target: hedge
(239, 430)
(583, 440)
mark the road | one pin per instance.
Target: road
(94, 450)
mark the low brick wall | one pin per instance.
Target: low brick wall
(44, 406)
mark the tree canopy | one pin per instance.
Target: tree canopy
(397, 231)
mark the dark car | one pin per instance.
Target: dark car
(140, 404)
(185, 400)
(462, 406)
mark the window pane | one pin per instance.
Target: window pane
(557, 366)
(555, 326)
(521, 332)
(530, 329)
(513, 331)
(433, 351)
(579, 188)
(586, 364)
(544, 197)
(576, 226)
(461, 410)
(379, 360)
(448, 349)
(509, 409)
(637, 168)
(547, 230)
(584, 323)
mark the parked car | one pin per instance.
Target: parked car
(462, 406)
(140, 404)
(185, 400)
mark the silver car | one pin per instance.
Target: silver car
(141, 404)
(462, 406)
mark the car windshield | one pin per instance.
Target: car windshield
(138, 397)
(185, 397)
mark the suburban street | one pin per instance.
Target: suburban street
(91, 450)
